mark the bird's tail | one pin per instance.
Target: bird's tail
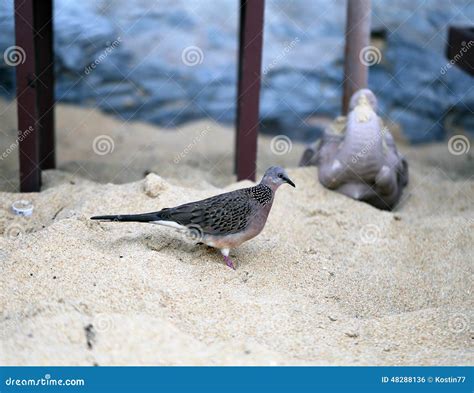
(145, 217)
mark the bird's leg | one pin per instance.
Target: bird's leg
(228, 261)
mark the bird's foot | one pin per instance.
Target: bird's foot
(229, 262)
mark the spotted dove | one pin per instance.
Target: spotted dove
(223, 221)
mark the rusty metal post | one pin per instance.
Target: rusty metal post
(43, 18)
(357, 41)
(34, 90)
(248, 99)
(27, 97)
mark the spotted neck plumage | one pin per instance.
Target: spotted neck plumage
(261, 193)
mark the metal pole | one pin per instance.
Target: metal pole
(250, 62)
(45, 86)
(28, 138)
(357, 40)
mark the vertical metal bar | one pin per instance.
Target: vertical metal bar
(28, 137)
(43, 18)
(357, 38)
(250, 62)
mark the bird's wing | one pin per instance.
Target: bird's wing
(219, 215)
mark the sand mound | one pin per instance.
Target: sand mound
(329, 280)
(103, 149)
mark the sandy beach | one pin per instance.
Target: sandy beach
(329, 281)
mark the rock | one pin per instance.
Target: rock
(302, 62)
(357, 156)
(352, 334)
(465, 120)
(415, 127)
(309, 155)
(154, 185)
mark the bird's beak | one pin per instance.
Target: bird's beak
(288, 180)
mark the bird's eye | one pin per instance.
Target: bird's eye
(280, 175)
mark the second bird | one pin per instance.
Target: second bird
(223, 221)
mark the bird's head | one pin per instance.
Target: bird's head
(275, 176)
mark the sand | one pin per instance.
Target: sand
(329, 281)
